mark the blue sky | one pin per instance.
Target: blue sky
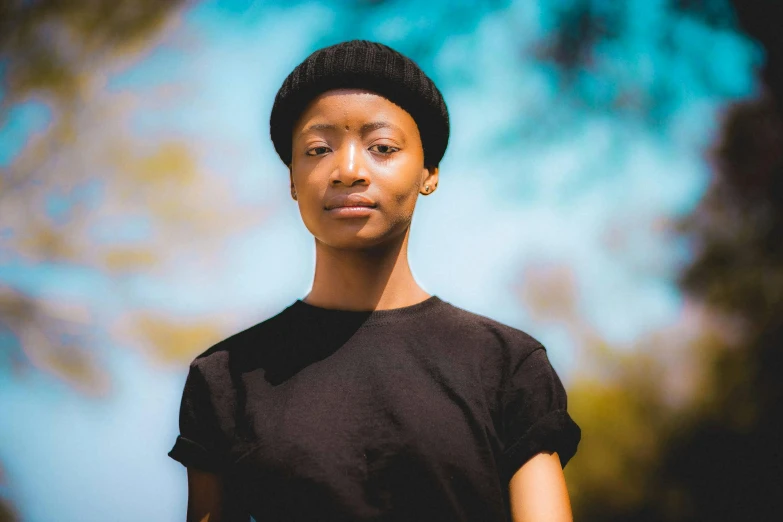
(533, 175)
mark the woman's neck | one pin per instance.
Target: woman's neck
(369, 279)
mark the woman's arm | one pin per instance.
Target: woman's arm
(205, 496)
(208, 501)
(537, 491)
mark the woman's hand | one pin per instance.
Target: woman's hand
(537, 491)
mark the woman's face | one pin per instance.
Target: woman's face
(355, 142)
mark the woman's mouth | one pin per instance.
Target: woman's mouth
(351, 212)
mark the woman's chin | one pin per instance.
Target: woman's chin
(355, 239)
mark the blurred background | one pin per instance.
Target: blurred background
(613, 186)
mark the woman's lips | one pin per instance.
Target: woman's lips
(350, 212)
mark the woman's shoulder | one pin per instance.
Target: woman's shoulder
(490, 331)
(486, 325)
(234, 349)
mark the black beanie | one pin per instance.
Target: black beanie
(364, 65)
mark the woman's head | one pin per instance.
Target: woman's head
(359, 120)
(350, 144)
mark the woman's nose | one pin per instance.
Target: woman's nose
(349, 165)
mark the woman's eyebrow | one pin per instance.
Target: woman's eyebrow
(375, 125)
(317, 127)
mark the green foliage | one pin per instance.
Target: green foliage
(59, 54)
(717, 455)
(49, 45)
(728, 456)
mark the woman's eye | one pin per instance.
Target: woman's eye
(385, 149)
(315, 151)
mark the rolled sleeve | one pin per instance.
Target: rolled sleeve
(535, 416)
(198, 443)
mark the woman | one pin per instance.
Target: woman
(371, 399)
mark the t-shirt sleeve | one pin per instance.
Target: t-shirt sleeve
(198, 442)
(534, 417)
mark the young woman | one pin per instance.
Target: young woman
(370, 399)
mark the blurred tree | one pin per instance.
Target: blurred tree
(718, 456)
(67, 196)
(730, 459)
(70, 194)
(51, 46)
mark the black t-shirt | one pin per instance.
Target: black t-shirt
(409, 414)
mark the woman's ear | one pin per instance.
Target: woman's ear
(291, 178)
(430, 182)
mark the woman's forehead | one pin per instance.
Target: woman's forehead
(353, 99)
(347, 91)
